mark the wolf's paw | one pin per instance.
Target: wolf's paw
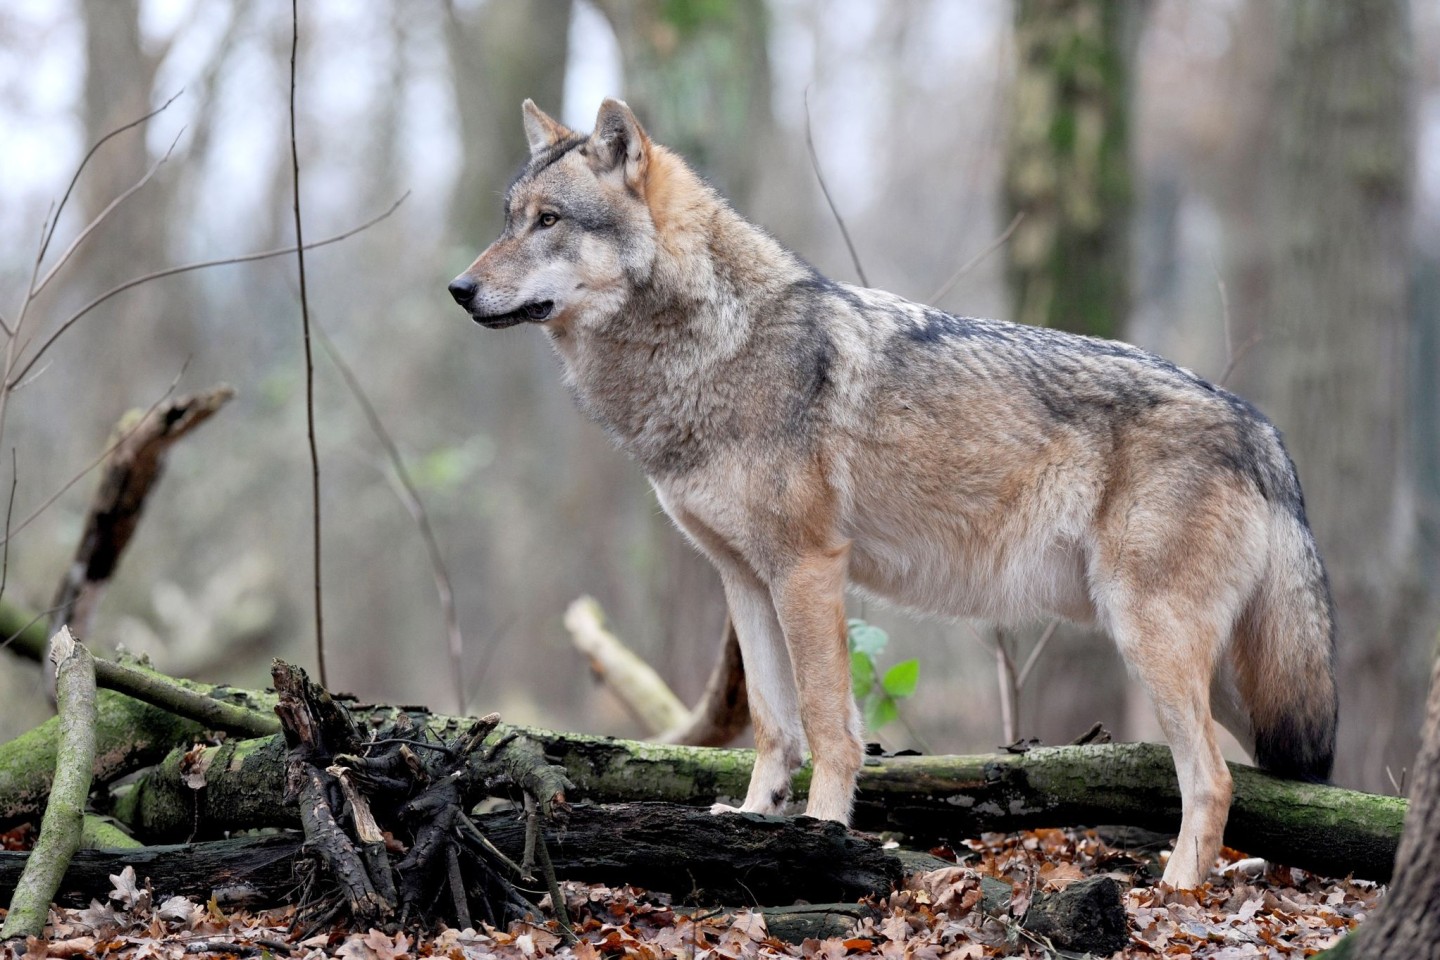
(719, 808)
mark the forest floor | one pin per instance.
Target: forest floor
(1249, 909)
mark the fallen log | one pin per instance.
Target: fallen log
(255, 871)
(1324, 829)
(746, 860)
(135, 729)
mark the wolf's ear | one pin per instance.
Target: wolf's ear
(619, 143)
(542, 130)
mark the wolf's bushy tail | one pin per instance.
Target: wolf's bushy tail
(1284, 655)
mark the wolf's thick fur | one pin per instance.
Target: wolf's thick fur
(807, 434)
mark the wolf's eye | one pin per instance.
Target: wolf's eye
(549, 219)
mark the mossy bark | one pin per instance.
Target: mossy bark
(1068, 168)
(1320, 828)
(64, 820)
(130, 735)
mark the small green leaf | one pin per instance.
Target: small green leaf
(862, 674)
(866, 638)
(879, 710)
(900, 680)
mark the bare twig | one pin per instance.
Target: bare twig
(34, 651)
(1009, 690)
(309, 357)
(54, 219)
(410, 496)
(1035, 652)
(101, 217)
(119, 288)
(815, 162)
(98, 460)
(1232, 356)
(9, 512)
(976, 260)
(131, 472)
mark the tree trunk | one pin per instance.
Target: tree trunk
(1332, 368)
(144, 332)
(1068, 171)
(1408, 921)
(1068, 168)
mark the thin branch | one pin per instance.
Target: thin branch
(309, 356)
(1009, 690)
(1232, 356)
(1245, 348)
(31, 379)
(10, 354)
(410, 496)
(1035, 652)
(815, 162)
(102, 217)
(183, 268)
(5, 325)
(42, 615)
(98, 460)
(55, 218)
(976, 260)
(9, 512)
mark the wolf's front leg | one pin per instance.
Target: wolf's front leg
(774, 712)
(810, 600)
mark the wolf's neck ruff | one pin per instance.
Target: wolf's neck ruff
(806, 434)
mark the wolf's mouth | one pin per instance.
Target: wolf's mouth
(531, 312)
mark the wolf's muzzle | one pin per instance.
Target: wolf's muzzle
(463, 289)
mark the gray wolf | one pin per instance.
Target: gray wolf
(808, 435)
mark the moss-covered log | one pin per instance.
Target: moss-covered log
(1324, 829)
(130, 735)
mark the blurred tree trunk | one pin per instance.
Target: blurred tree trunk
(1068, 170)
(1335, 325)
(501, 52)
(122, 344)
(1408, 921)
(697, 73)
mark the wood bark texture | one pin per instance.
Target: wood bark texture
(1332, 367)
(930, 799)
(64, 819)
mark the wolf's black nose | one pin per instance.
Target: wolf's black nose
(463, 290)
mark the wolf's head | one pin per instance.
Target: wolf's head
(579, 232)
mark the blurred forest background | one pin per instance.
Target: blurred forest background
(1249, 187)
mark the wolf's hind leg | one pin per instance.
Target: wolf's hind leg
(771, 685)
(1174, 651)
(811, 604)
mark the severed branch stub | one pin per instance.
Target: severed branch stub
(387, 836)
(131, 470)
(63, 822)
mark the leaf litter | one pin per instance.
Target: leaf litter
(1249, 909)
